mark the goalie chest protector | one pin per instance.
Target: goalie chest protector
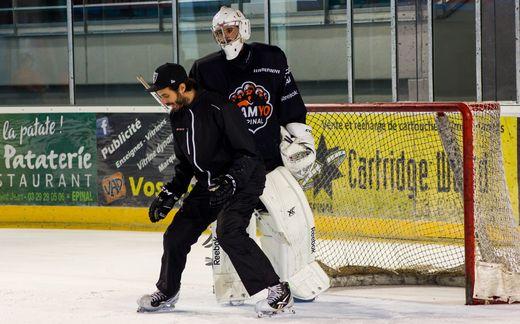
(261, 85)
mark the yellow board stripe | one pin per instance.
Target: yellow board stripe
(136, 219)
(86, 217)
(330, 227)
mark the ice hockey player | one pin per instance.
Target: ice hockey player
(212, 143)
(257, 79)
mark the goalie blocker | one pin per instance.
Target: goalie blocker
(287, 226)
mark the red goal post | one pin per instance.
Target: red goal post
(388, 193)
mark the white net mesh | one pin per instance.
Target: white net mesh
(387, 192)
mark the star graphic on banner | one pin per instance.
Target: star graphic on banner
(326, 168)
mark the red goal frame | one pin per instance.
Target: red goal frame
(465, 110)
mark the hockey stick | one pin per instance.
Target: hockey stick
(154, 94)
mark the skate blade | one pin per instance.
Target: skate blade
(236, 302)
(156, 311)
(278, 313)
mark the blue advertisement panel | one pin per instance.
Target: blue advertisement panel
(135, 157)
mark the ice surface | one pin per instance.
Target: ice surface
(77, 276)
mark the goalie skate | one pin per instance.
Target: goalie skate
(157, 303)
(279, 301)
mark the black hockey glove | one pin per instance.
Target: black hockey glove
(161, 205)
(221, 190)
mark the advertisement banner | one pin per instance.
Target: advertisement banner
(397, 169)
(510, 149)
(135, 154)
(48, 159)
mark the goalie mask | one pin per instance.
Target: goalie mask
(230, 29)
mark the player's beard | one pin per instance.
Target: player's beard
(179, 102)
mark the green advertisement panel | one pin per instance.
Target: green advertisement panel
(48, 159)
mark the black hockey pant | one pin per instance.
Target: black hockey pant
(195, 215)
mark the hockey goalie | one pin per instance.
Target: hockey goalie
(257, 78)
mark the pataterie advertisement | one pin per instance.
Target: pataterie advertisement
(84, 158)
(135, 157)
(48, 159)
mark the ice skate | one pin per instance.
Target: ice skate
(279, 300)
(157, 303)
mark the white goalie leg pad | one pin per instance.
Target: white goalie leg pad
(289, 235)
(227, 286)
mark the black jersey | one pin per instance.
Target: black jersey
(210, 139)
(258, 81)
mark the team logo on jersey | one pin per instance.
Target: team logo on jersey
(254, 101)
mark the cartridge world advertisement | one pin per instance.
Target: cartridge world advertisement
(48, 159)
(391, 167)
(135, 154)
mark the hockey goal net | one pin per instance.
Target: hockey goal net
(414, 193)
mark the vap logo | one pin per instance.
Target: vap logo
(154, 77)
(254, 101)
(325, 169)
(113, 187)
(103, 127)
(291, 212)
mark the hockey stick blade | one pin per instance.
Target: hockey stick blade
(154, 95)
(208, 242)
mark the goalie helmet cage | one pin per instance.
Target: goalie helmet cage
(414, 190)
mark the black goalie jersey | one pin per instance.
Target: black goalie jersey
(260, 83)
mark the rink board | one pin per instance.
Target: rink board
(127, 177)
(124, 218)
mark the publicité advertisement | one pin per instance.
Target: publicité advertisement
(135, 157)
